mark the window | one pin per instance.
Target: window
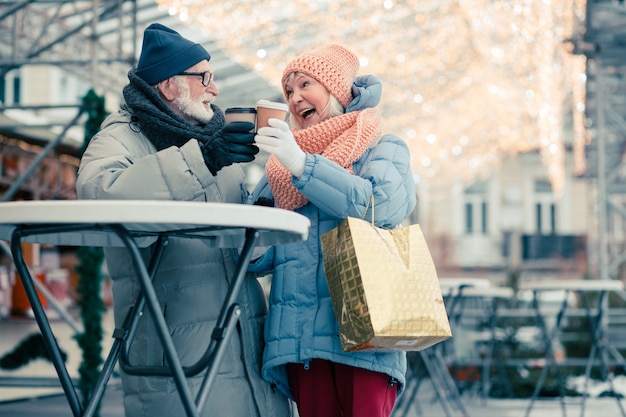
(483, 218)
(545, 209)
(476, 209)
(3, 90)
(469, 217)
(16, 90)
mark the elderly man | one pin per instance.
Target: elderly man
(169, 141)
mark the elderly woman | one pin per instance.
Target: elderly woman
(327, 166)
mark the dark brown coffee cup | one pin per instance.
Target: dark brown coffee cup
(240, 114)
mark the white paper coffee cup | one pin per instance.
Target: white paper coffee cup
(266, 109)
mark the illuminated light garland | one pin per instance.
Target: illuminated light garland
(464, 82)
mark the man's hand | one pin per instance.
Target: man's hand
(233, 143)
(278, 140)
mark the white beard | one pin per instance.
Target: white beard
(192, 109)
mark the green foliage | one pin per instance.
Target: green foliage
(89, 269)
(91, 308)
(94, 106)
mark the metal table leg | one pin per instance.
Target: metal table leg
(226, 322)
(42, 321)
(125, 334)
(550, 359)
(599, 346)
(225, 325)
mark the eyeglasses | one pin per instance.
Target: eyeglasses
(207, 76)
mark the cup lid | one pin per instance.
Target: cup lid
(272, 105)
(241, 110)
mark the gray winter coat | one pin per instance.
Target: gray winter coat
(121, 163)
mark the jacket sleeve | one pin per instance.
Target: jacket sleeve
(263, 264)
(119, 165)
(384, 172)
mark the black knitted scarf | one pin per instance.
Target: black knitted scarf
(158, 122)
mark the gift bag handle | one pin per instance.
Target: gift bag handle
(371, 199)
(391, 248)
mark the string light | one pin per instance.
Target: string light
(464, 82)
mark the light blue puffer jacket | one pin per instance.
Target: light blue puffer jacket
(301, 325)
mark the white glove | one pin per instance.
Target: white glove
(278, 140)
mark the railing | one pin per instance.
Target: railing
(537, 247)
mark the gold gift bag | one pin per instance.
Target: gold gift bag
(384, 287)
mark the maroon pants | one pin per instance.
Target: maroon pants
(328, 389)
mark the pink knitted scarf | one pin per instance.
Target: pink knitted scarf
(342, 139)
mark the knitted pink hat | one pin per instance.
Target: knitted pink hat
(334, 66)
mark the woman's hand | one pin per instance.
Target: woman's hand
(278, 140)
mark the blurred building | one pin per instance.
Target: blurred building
(510, 222)
(501, 225)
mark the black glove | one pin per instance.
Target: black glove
(264, 201)
(233, 143)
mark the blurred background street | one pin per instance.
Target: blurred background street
(515, 116)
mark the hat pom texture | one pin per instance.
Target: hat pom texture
(334, 66)
(165, 53)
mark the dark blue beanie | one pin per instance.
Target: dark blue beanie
(165, 53)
